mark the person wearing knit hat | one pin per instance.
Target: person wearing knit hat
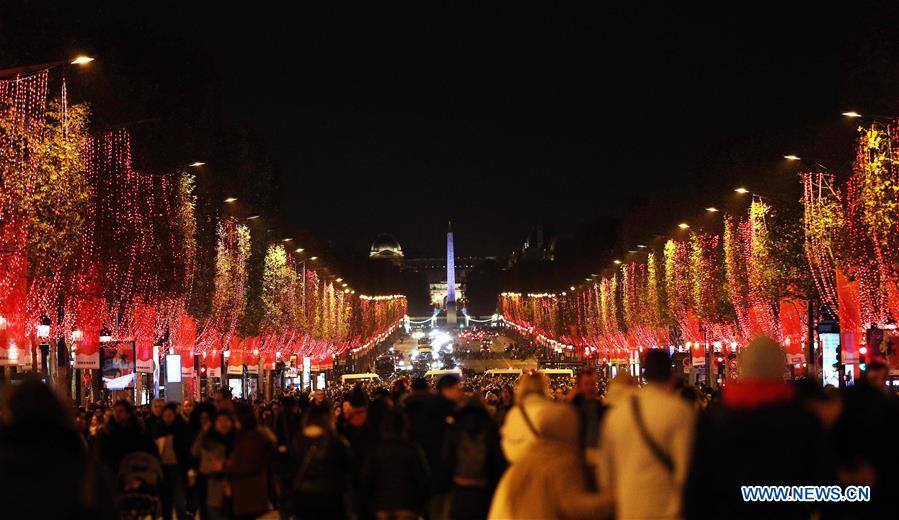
(762, 358)
(758, 418)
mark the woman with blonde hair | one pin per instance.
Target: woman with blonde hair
(531, 398)
(547, 479)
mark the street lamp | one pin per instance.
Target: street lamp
(792, 157)
(683, 225)
(852, 114)
(712, 209)
(196, 164)
(43, 328)
(27, 69)
(741, 190)
(229, 200)
(81, 60)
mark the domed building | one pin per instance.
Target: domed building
(386, 247)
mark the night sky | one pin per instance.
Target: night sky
(396, 118)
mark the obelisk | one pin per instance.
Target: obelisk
(450, 279)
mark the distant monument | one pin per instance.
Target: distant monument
(450, 279)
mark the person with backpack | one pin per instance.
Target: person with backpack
(394, 477)
(474, 461)
(324, 465)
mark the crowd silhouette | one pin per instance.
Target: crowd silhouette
(471, 448)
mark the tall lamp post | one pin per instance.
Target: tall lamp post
(43, 334)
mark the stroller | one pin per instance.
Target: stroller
(138, 479)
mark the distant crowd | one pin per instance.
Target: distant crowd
(478, 447)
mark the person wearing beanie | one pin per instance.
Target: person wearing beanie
(766, 437)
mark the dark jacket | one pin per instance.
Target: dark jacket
(180, 432)
(867, 411)
(323, 466)
(209, 448)
(44, 472)
(115, 441)
(474, 462)
(430, 417)
(394, 476)
(759, 435)
(247, 467)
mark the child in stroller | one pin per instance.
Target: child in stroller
(139, 477)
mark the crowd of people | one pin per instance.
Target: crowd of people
(479, 447)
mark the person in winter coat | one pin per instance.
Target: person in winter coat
(287, 425)
(45, 471)
(247, 466)
(323, 467)
(547, 480)
(123, 434)
(505, 403)
(740, 443)
(645, 444)
(211, 448)
(394, 477)
(173, 441)
(531, 397)
(475, 461)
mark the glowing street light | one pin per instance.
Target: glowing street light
(313, 258)
(616, 262)
(572, 288)
(712, 209)
(196, 164)
(339, 280)
(300, 250)
(81, 60)
(253, 217)
(229, 200)
(641, 246)
(792, 157)
(683, 225)
(741, 190)
(43, 328)
(852, 114)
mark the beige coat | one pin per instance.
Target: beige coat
(546, 479)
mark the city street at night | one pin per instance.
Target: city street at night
(394, 261)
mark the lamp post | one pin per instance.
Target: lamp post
(43, 334)
(79, 60)
(77, 336)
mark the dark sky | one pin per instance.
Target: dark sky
(396, 118)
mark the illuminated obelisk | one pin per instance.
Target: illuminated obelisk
(450, 279)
